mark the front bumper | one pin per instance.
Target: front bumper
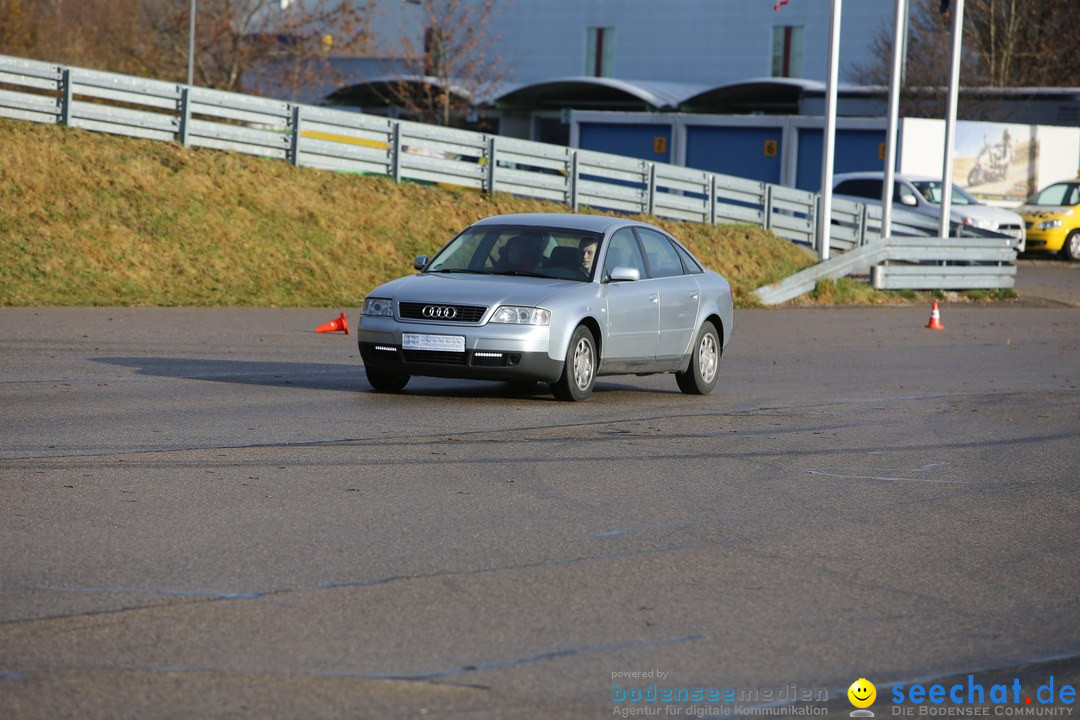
(1051, 240)
(492, 351)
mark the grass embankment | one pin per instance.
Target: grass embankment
(91, 219)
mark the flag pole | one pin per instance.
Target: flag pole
(894, 112)
(824, 220)
(950, 115)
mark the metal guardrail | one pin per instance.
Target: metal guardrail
(343, 141)
(911, 263)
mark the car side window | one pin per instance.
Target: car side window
(662, 259)
(692, 266)
(622, 251)
(859, 188)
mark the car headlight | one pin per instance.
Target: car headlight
(1049, 224)
(515, 315)
(377, 306)
(984, 224)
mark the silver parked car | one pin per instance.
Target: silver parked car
(555, 298)
(922, 194)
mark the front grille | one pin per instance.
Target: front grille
(1014, 230)
(462, 313)
(433, 357)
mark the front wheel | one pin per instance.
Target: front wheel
(701, 375)
(579, 370)
(386, 380)
(1071, 248)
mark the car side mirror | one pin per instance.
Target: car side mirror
(624, 274)
(420, 262)
(908, 200)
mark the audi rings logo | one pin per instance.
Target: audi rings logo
(439, 312)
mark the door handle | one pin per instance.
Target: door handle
(655, 297)
(693, 295)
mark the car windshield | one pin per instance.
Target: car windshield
(931, 190)
(527, 250)
(1059, 194)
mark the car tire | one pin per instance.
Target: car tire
(386, 380)
(579, 370)
(1070, 249)
(702, 373)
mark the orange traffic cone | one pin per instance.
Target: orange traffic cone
(935, 318)
(338, 323)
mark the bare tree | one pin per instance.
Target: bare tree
(251, 45)
(1007, 43)
(258, 45)
(94, 33)
(455, 64)
(1024, 42)
(18, 30)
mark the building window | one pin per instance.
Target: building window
(600, 52)
(787, 51)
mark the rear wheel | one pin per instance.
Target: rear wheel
(1071, 248)
(386, 380)
(700, 377)
(579, 370)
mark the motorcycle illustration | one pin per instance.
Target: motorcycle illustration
(992, 162)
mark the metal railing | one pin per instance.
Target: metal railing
(343, 141)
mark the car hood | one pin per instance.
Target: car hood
(1044, 212)
(472, 289)
(988, 213)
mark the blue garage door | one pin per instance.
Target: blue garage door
(647, 142)
(855, 150)
(752, 153)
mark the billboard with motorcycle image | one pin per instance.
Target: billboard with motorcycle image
(996, 161)
(999, 163)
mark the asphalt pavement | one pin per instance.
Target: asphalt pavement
(207, 513)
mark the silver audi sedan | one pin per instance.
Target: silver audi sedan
(555, 298)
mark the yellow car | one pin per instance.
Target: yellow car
(1052, 216)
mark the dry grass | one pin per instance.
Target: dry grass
(90, 219)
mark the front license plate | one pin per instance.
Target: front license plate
(444, 343)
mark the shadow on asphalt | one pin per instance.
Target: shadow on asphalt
(327, 376)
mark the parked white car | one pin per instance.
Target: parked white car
(922, 194)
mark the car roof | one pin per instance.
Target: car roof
(588, 223)
(880, 175)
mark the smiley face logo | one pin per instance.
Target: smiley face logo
(862, 693)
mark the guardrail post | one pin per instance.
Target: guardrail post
(650, 189)
(712, 199)
(864, 223)
(395, 152)
(489, 181)
(766, 216)
(572, 201)
(815, 213)
(65, 97)
(294, 139)
(185, 115)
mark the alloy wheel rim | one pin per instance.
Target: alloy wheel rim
(707, 358)
(1074, 245)
(583, 364)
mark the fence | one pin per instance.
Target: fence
(911, 263)
(344, 141)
